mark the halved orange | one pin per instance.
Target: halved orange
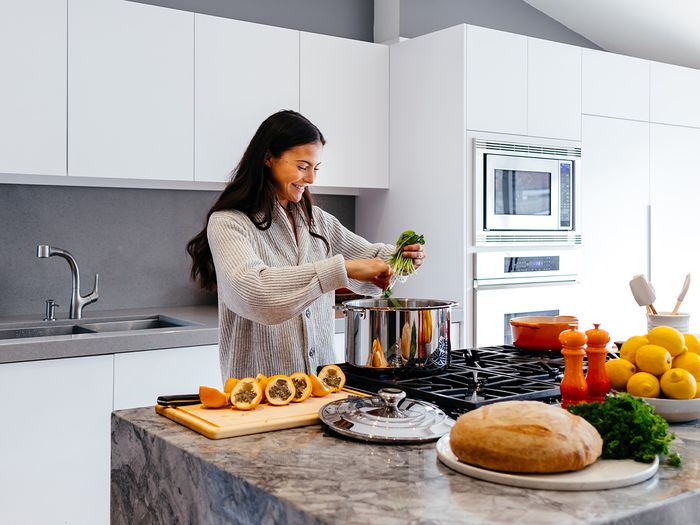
(229, 384)
(302, 386)
(333, 377)
(318, 388)
(279, 390)
(212, 397)
(247, 394)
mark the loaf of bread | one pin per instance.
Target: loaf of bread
(525, 436)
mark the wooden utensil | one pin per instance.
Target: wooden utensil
(681, 296)
(643, 293)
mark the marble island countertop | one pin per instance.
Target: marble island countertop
(165, 473)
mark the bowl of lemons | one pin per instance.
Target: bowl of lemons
(663, 368)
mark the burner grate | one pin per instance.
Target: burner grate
(475, 377)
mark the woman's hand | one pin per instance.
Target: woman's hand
(415, 252)
(374, 271)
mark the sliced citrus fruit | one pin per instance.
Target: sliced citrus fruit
(318, 388)
(302, 386)
(333, 377)
(212, 397)
(247, 394)
(279, 390)
(229, 384)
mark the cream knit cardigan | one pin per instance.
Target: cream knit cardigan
(276, 296)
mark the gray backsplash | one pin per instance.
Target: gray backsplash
(134, 238)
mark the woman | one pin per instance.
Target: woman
(275, 259)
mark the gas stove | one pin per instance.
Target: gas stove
(475, 377)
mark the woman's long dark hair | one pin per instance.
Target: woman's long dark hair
(252, 189)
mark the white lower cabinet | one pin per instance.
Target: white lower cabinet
(339, 347)
(55, 441)
(140, 377)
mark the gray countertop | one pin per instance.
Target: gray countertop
(165, 473)
(202, 331)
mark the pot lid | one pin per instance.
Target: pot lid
(388, 417)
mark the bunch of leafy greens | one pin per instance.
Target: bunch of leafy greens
(404, 265)
(400, 265)
(628, 426)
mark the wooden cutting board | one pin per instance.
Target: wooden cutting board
(219, 423)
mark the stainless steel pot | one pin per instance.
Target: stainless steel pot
(397, 335)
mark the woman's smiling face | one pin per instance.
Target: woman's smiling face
(294, 170)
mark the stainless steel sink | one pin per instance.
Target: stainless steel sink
(92, 326)
(148, 323)
(43, 331)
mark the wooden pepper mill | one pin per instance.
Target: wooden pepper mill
(573, 387)
(596, 377)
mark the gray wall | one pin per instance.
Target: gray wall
(134, 238)
(355, 18)
(345, 18)
(419, 17)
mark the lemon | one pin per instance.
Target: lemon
(688, 361)
(629, 347)
(678, 384)
(619, 371)
(691, 341)
(668, 337)
(643, 384)
(654, 359)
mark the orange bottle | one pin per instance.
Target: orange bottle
(596, 377)
(573, 387)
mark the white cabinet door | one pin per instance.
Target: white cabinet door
(496, 81)
(615, 197)
(33, 87)
(675, 186)
(339, 347)
(674, 95)
(140, 377)
(130, 90)
(615, 85)
(55, 441)
(243, 73)
(553, 90)
(345, 92)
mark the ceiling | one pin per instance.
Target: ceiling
(666, 31)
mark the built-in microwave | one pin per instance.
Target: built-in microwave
(526, 193)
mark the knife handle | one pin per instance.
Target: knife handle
(178, 400)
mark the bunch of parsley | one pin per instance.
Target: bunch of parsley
(628, 426)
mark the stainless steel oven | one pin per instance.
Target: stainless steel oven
(526, 193)
(535, 281)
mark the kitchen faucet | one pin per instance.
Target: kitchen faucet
(77, 302)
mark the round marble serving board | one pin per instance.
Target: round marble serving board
(603, 474)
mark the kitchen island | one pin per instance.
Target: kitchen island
(165, 473)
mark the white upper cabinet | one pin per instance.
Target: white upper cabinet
(130, 90)
(345, 92)
(674, 204)
(615, 85)
(243, 73)
(553, 90)
(496, 81)
(33, 87)
(675, 95)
